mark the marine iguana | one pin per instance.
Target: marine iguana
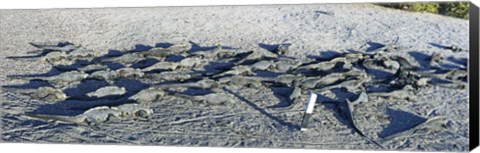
(216, 98)
(160, 53)
(352, 85)
(404, 77)
(91, 117)
(331, 78)
(127, 59)
(107, 75)
(180, 76)
(94, 116)
(150, 94)
(61, 80)
(256, 55)
(191, 62)
(247, 81)
(455, 48)
(130, 73)
(263, 65)
(220, 52)
(107, 91)
(111, 75)
(162, 66)
(47, 47)
(53, 58)
(407, 93)
(237, 70)
(46, 93)
(321, 66)
(60, 54)
(204, 83)
(283, 65)
(455, 79)
(133, 111)
(93, 68)
(438, 61)
(435, 60)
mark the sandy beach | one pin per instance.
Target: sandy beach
(316, 30)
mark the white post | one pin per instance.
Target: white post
(308, 111)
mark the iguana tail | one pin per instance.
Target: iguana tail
(60, 118)
(19, 90)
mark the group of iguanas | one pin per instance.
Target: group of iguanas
(224, 66)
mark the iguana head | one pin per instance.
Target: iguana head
(143, 113)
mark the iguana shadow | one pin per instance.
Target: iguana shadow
(282, 95)
(422, 58)
(290, 126)
(438, 45)
(463, 62)
(374, 45)
(51, 72)
(270, 47)
(340, 109)
(400, 121)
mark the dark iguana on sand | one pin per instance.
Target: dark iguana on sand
(91, 117)
(61, 80)
(216, 98)
(107, 91)
(46, 93)
(97, 115)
